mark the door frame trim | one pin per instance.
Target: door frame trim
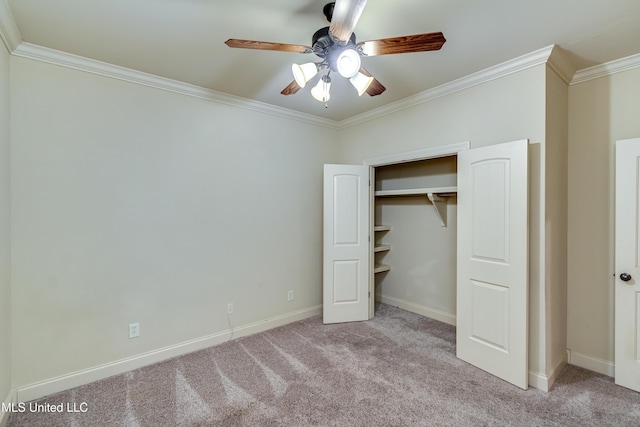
(393, 159)
(412, 156)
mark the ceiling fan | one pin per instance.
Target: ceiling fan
(338, 50)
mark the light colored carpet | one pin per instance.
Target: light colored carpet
(398, 369)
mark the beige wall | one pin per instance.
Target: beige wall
(601, 111)
(5, 265)
(506, 109)
(555, 219)
(133, 204)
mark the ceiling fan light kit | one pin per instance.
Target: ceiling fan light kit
(337, 47)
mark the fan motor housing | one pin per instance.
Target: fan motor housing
(325, 46)
(321, 41)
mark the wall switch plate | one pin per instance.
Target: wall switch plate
(230, 308)
(290, 296)
(134, 330)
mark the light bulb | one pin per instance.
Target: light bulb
(348, 63)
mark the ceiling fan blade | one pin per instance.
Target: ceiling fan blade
(345, 17)
(253, 44)
(375, 88)
(405, 44)
(291, 89)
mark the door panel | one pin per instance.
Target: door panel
(492, 289)
(627, 261)
(346, 213)
(491, 207)
(346, 244)
(489, 310)
(345, 281)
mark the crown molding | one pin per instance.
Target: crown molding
(559, 63)
(9, 32)
(550, 55)
(55, 57)
(619, 65)
(67, 60)
(515, 65)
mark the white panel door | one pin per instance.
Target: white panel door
(492, 282)
(346, 243)
(627, 264)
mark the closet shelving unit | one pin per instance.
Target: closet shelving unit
(436, 195)
(433, 179)
(380, 248)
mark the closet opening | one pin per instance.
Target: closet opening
(413, 250)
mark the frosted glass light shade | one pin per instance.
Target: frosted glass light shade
(348, 63)
(303, 73)
(361, 82)
(321, 90)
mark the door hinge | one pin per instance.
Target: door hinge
(369, 296)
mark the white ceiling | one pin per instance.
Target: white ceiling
(184, 40)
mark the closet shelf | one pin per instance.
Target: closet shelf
(382, 228)
(440, 191)
(382, 248)
(379, 268)
(436, 195)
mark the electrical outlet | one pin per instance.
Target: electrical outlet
(290, 296)
(134, 330)
(230, 308)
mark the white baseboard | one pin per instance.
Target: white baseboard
(557, 370)
(545, 382)
(75, 379)
(538, 380)
(601, 366)
(8, 403)
(419, 309)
